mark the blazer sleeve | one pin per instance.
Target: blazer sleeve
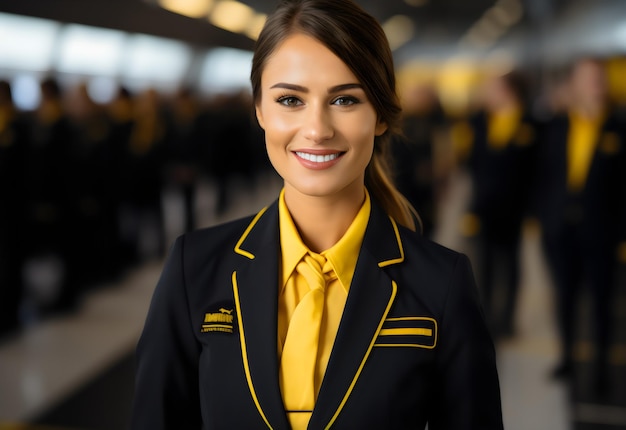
(468, 390)
(166, 381)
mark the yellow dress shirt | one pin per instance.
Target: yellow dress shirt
(342, 256)
(581, 145)
(502, 127)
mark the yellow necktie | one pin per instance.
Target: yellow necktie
(299, 356)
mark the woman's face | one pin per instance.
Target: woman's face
(319, 125)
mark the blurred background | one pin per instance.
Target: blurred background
(125, 123)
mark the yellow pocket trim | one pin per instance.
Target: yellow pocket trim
(406, 332)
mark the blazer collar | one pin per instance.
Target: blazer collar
(255, 286)
(382, 238)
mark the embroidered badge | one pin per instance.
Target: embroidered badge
(220, 321)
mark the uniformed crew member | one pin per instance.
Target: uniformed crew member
(501, 164)
(582, 205)
(325, 309)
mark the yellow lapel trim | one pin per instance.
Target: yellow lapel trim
(400, 248)
(369, 349)
(245, 234)
(244, 350)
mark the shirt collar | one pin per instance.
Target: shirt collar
(342, 256)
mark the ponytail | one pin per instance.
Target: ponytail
(380, 185)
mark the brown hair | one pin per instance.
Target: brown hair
(359, 40)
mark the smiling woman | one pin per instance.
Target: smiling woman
(338, 313)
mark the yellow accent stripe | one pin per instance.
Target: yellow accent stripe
(243, 237)
(412, 319)
(401, 258)
(244, 352)
(411, 345)
(406, 332)
(360, 369)
(217, 325)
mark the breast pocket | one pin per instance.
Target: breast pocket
(415, 332)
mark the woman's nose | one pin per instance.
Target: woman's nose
(318, 125)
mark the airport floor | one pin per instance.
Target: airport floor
(75, 372)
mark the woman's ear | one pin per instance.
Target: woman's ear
(259, 116)
(381, 128)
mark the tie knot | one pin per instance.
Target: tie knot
(317, 270)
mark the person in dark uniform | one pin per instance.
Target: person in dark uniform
(50, 234)
(501, 165)
(326, 309)
(582, 193)
(413, 163)
(12, 204)
(182, 151)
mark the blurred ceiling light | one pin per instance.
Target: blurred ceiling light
(232, 15)
(399, 30)
(255, 26)
(416, 3)
(190, 8)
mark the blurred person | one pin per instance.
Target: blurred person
(182, 151)
(120, 114)
(51, 236)
(582, 193)
(139, 158)
(501, 165)
(95, 235)
(413, 163)
(229, 152)
(12, 204)
(326, 309)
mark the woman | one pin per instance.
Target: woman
(399, 341)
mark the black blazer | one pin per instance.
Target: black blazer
(207, 358)
(598, 211)
(502, 179)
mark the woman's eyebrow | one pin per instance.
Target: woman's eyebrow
(331, 90)
(343, 87)
(292, 87)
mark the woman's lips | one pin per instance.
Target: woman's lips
(318, 160)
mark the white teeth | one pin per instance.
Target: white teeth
(317, 158)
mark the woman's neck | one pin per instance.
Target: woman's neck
(322, 221)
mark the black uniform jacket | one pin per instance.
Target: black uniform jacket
(207, 358)
(598, 211)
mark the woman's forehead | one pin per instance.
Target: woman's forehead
(302, 57)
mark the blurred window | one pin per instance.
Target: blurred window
(26, 91)
(226, 70)
(26, 43)
(156, 60)
(90, 50)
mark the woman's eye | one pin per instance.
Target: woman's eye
(289, 101)
(345, 101)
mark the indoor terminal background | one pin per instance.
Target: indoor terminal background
(158, 138)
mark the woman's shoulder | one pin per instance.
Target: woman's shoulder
(423, 253)
(216, 238)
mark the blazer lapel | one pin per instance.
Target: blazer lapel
(255, 287)
(370, 298)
